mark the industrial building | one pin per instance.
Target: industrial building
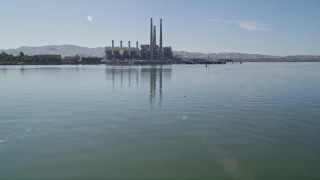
(122, 53)
(150, 52)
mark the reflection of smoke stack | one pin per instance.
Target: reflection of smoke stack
(160, 82)
(153, 84)
(160, 44)
(151, 43)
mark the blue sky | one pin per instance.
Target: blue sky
(272, 27)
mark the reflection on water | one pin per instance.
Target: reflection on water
(249, 121)
(137, 75)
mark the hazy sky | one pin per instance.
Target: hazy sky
(272, 27)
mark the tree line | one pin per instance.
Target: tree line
(21, 59)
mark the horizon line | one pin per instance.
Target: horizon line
(207, 53)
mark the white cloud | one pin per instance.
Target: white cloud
(89, 19)
(247, 25)
(254, 26)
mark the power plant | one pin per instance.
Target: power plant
(151, 53)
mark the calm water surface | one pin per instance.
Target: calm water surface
(248, 121)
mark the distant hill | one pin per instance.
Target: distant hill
(63, 50)
(72, 50)
(248, 57)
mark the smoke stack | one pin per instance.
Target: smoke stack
(160, 39)
(129, 50)
(137, 43)
(154, 38)
(151, 43)
(121, 43)
(112, 49)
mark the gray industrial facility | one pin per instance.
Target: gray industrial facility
(148, 52)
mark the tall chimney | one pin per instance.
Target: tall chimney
(160, 39)
(112, 49)
(129, 50)
(151, 43)
(154, 36)
(137, 43)
(154, 39)
(121, 44)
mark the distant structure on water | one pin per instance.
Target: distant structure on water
(147, 52)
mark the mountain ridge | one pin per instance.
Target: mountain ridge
(72, 50)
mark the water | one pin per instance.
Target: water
(248, 121)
